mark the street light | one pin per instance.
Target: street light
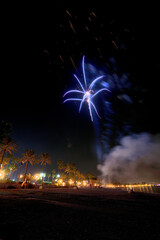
(42, 175)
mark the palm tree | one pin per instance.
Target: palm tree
(13, 165)
(90, 177)
(8, 145)
(53, 173)
(79, 176)
(29, 177)
(44, 159)
(28, 157)
(70, 169)
(19, 169)
(48, 176)
(74, 172)
(6, 160)
(60, 165)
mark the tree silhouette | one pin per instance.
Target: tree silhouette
(44, 159)
(60, 165)
(29, 157)
(8, 145)
(13, 165)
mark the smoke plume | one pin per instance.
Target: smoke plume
(135, 160)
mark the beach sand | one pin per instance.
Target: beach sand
(85, 214)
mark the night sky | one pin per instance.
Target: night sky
(42, 48)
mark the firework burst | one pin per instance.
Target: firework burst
(87, 93)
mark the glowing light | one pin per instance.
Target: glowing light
(84, 183)
(60, 181)
(37, 176)
(71, 181)
(79, 183)
(42, 175)
(86, 91)
(2, 174)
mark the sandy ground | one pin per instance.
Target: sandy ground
(85, 214)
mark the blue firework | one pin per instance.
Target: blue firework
(87, 94)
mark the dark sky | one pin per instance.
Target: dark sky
(40, 50)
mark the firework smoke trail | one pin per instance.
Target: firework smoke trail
(87, 92)
(114, 124)
(134, 159)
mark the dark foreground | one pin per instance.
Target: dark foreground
(84, 214)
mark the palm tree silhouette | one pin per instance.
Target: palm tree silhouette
(44, 159)
(61, 166)
(8, 145)
(29, 157)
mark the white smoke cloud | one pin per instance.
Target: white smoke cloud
(135, 159)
